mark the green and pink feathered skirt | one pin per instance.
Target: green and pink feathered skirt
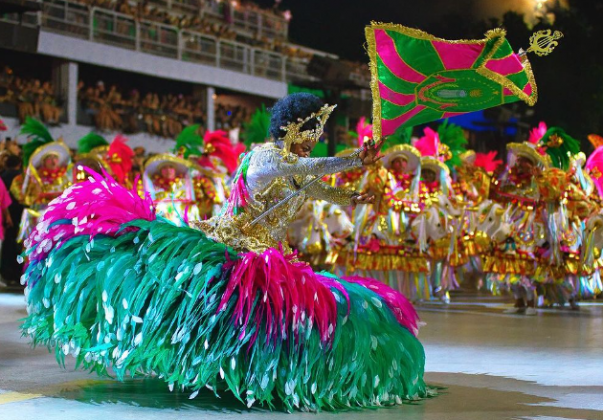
(126, 293)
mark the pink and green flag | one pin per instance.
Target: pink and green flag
(418, 78)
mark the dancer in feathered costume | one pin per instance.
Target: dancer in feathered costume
(384, 247)
(564, 192)
(471, 192)
(226, 307)
(168, 180)
(207, 182)
(440, 214)
(47, 163)
(518, 231)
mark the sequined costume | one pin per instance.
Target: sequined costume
(265, 177)
(225, 307)
(40, 184)
(173, 195)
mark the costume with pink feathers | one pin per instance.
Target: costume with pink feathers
(226, 306)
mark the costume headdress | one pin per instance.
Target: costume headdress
(433, 156)
(217, 145)
(430, 145)
(452, 143)
(189, 142)
(91, 151)
(90, 142)
(40, 146)
(120, 157)
(410, 153)
(530, 149)
(468, 157)
(257, 130)
(487, 161)
(537, 133)
(294, 133)
(38, 136)
(560, 146)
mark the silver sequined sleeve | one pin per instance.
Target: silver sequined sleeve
(271, 164)
(323, 191)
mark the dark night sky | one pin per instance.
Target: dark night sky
(337, 26)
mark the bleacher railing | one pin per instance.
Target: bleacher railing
(116, 29)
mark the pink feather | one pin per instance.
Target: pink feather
(594, 163)
(96, 206)
(429, 144)
(292, 296)
(364, 130)
(403, 310)
(537, 133)
(487, 161)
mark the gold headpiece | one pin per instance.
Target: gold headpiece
(444, 152)
(554, 141)
(294, 135)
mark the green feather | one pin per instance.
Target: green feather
(148, 302)
(34, 128)
(190, 141)
(90, 141)
(560, 155)
(401, 136)
(38, 135)
(256, 130)
(453, 136)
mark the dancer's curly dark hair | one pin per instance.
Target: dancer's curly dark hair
(290, 108)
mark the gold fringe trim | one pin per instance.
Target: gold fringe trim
(509, 265)
(383, 262)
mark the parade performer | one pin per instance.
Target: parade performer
(564, 189)
(167, 179)
(519, 235)
(409, 267)
(190, 147)
(226, 306)
(47, 164)
(440, 219)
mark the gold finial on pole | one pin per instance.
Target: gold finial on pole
(544, 42)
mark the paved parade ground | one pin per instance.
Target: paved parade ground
(492, 366)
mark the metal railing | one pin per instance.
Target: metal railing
(116, 29)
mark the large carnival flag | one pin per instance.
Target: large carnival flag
(418, 78)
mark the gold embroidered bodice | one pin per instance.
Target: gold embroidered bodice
(269, 178)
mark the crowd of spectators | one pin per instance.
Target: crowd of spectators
(158, 114)
(31, 97)
(219, 26)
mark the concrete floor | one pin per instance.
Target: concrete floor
(493, 366)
